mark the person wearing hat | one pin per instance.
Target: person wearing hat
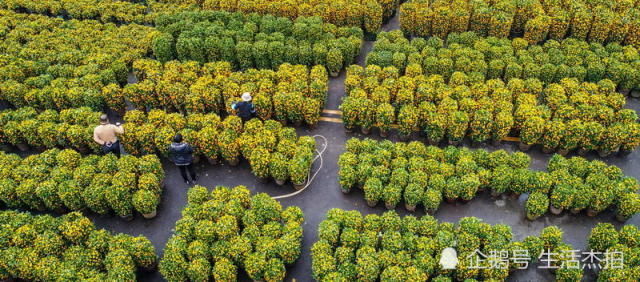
(245, 109)
(106, 133)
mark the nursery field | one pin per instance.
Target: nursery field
(324, 194)
(218, 229)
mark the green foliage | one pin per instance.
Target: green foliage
(602, 237)
(536, 205)
(68, 180)
(260, 41)
(68, 247)
(394, 248)
(234, 230)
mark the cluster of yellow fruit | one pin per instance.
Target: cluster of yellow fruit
(228, 230)
(503, 58)
(572, 115)
(293, 93)
(368, 14)
(46, 63)
(69, 247)
(536, 20)
(61, 180)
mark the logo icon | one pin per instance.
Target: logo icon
(449, 258)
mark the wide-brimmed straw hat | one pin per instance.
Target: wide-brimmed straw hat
(246, 96)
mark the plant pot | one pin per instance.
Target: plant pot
(280, 182)
(370, 36)
(624, 91)
(451, 200)
(60, 210)
(524, 147)
(604, 153)
(591, 212)
(151, 268)
(635, 94)
(127, 217)
(149, 215)
(5, 147)
(263, 179)
(532, 217)
(410, 208)
(372, 203)
(554, 210)
(548, 150)
(298, 187)
(563, 152)
(213, 161)
(365, 130)
(233, 162)
(575, 211)
(345, 191)
(348, 129)
(582, 152)
(22, 147)
(621, 218)
(384, 134)
(390, 206)
(83, 149)
(514, 195)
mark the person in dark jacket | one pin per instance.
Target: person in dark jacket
(181, 154)
(246, 110)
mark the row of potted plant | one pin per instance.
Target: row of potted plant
(535, 20)
(293, 93)
(561, 116)
(385, 247)
(506, 59)
(427, 175)
(367, 14)
(68, 248)
(273, 151)
(578, 184)
(62, 180)
(104, 11)
(50, 68)
(228, 229)
(25, 127)
(255, 41)
(617, 245)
